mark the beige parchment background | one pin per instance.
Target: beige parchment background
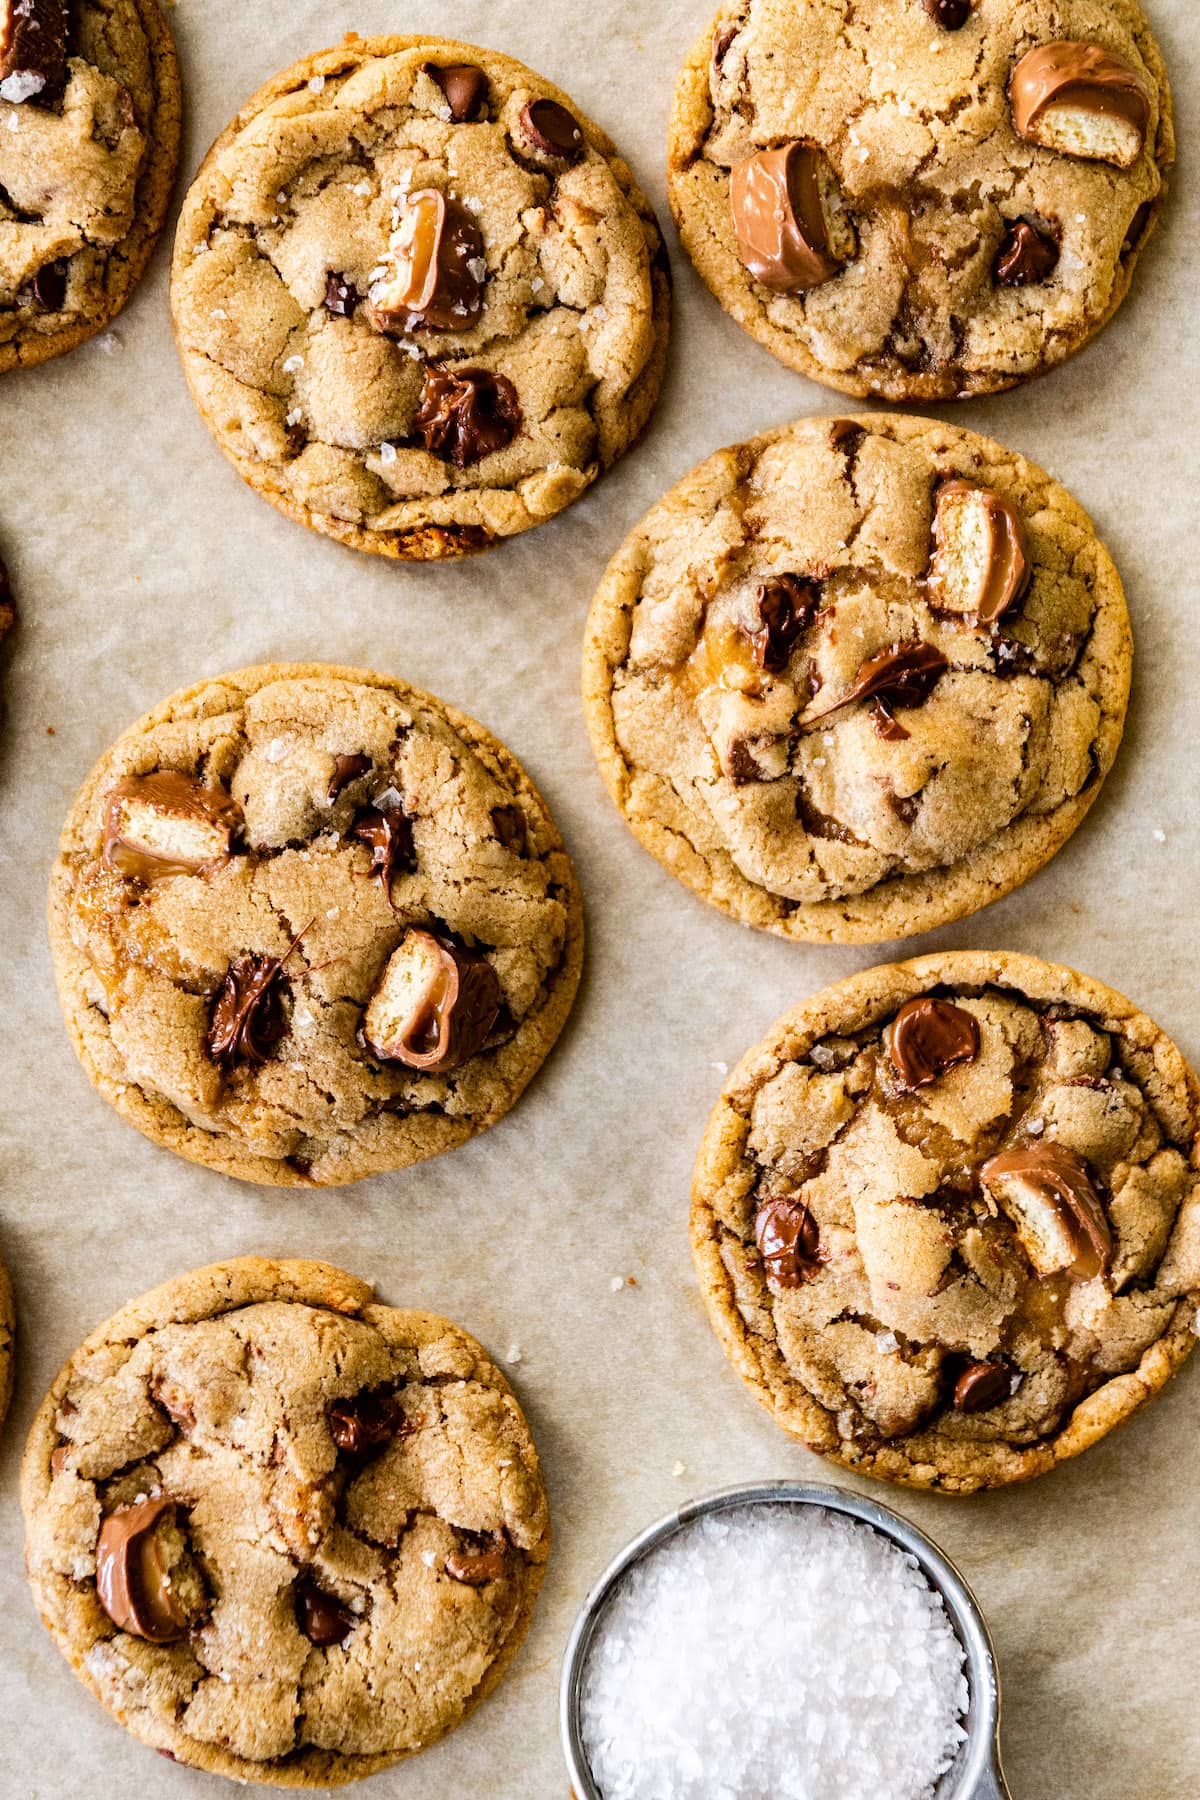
(142, 563)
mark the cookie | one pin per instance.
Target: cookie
(946, 1218)
(921, 199)
(420, 301)
(283, 1533)
(89, 143)
(858, 677)
(310, 924)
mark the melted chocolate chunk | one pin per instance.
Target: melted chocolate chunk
(722, 38)
(788, 1240)
(434, 1006)
(345, 770)
(1138, 227)
(551, 130)
(50, 286)
(1027, 256)
(508, 822)
(1079, 77)
(341, 296)
(465, 87)
(440, 268)
(904, 675)
(951, 15)
(779, 218)
(784, 609)
(387, 831)
(1060, 1220)
(475, 1568)
(364, 1421)
(322, 1617)
(247, 1019)
(133, 1584)
(981, 1386)
(930, 1036)
(33, 50)
(466, 414)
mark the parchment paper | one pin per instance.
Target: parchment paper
(142, 563)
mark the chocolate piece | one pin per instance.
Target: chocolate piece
(551, 131)
(440, 268)
(1050, 1196)
(387, 829)
(478, 1567)
(784, 608)
(465, 87)
(904, 675)
(723, 36)
(322, 1617)
(1027, 256)
(50, 286)
(247, 1018)
(1082, 100)
(1139, 225)
(8, 607)
(434, 1005)
(951, 15)
(466, 414)
(930, 1036)
(981, 1386)
(345, 770)
(133, 1583)
(33, 50)
(341, 296)
(788, 1241)
(782, 202)
(981, 564)
(508, 822)
(157, 826)
(366, 1420)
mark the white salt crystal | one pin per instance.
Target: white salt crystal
(316, 83)
(295, 416)
(678, 1469)
(514, 1353)
(886, 1342)
(1035, 1127)
(721, 1068)
(21, 86)
(387, 454)
(1160, 837)
(774, 1651)
(617, 1283)
(276, 750)
(361, 187)
(292, 363)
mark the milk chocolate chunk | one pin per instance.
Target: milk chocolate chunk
(465, 87)
(787, 217)
(475, 1568)
(723, 37)
(341, 296)
(345, 770)
(930, 1036)
(788, 1241)
(1081, 100)
(134, 1576)
(905, 675)
(1027, 256)
(980, 1386)
(783, 610)
(1048, 1193)
(981, 565)
(364, 1421)
(951, 15)
(321, 1616)
(466, 414)
(439, 268)
(386, 829)
(157, 826)
(434, 1005)
(508, 822)
(33, 50)
(247, 1018)
(549, 129)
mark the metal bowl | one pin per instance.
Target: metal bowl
(976, 1773)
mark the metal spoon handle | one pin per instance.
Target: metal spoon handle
(991, 1784)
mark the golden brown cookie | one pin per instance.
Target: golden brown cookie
(858, 677)
(310, 924)
(946, 1218)
(89, 143)
(921, 199)
(283, 1533)
(419, 298)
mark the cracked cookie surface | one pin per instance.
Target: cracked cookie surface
(730, 640)
(85, 180)
(357, 1523)
(895, 1298)
(219, 940)
(935, 186)
(552, 305)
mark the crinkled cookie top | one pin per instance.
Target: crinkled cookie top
(88, 140)
(974, 206)
(282, 1532)
(420, 301)
(944, 1208)
(309, 924)
(855, 678)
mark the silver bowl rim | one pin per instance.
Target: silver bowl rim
(980, 1759)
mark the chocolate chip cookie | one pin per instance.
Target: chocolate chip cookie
(283, 1533)
(89, 141)
(921, 199)
(946, 1218)
(310, 924)
(858, 677)
(420, 301)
